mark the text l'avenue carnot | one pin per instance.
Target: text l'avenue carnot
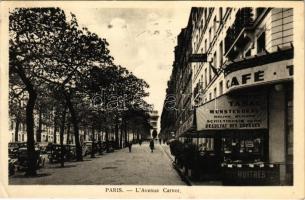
(144, 190)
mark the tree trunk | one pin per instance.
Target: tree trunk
(68, 133)
(55, 129)
(32, 157)
(107, 140)
(38, 133)
(116, 132)
(74, 120)
(93, 146)
(61, 135)
(17, 129)
(121, 137)
(125, 132)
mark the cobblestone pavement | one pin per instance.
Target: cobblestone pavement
(140, 167)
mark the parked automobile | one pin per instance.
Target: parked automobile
(23, 158)
(87, 147)
(12, 166)
(169, 141)
(54, 152)
(13, 148)
(70, 151)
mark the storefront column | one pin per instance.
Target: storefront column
(277, 122)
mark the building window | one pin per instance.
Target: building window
(220, 88)
(210, 74)
(205, 77)
(220, 14)
(214, 26)
(210, 96)
(215, 92)
(221, 54)
(12, 124)
(210, 35)
(205, 14)
(206, 45)
(215, 60)
(261, 43)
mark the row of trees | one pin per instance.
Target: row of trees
(66, 74)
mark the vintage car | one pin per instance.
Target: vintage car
(23, 158)
(12, 166)
(87, 146)
(54, 152)
(70, 151)
(13, 148)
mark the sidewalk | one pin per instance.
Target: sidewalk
(181, 173)
(140, 167)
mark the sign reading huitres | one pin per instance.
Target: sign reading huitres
(241, 112)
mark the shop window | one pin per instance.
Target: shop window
(289, 136)
(243, 149)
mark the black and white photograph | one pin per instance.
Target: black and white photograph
(151, 96)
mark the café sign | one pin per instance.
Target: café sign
(242, 112)
(272, 72)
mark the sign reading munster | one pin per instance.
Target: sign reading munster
(242, 112)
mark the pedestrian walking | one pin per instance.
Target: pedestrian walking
(152, 146)
(129, 146)
(140, 142)
(160, 140)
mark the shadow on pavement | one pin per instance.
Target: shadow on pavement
(37, 176)
(66, 166)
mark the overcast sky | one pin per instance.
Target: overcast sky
(142, 40)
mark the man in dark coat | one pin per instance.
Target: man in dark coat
(152, 145)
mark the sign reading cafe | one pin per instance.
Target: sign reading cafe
(241, 112)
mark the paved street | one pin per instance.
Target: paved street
(140, 167)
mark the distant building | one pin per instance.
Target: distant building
(153, 121)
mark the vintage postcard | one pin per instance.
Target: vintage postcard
(152, 99)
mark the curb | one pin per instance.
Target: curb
(182, 176)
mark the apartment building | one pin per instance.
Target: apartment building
(242, 85)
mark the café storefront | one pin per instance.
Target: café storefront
(249, 128)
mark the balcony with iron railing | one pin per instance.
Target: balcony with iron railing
(242, 31)
(244, 20)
